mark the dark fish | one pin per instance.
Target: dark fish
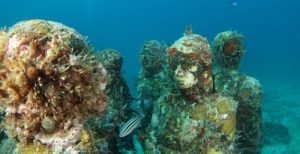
(130, 125)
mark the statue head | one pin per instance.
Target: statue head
(228, 49)
(190, 61)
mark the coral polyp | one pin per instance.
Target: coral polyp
(48, 124)
(50, 83)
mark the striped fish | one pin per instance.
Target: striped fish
(130, 125)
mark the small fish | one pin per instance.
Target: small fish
(234, 3)
(130, 125)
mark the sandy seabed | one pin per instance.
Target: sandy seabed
(281, 116)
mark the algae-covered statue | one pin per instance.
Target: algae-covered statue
(106, 126)
(228, 51)
(50, 83)
(153, 78)
(191, 117)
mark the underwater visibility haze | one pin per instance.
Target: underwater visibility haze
(168, 76)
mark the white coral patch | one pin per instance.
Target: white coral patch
(13, 44)
(193, 69)
(73, 60)
(224, 116)
(62, 140)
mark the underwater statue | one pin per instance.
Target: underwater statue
(105, 127)
(228, 51)
(190, 117)
(150, 83)
(50, 84)
(149, 88)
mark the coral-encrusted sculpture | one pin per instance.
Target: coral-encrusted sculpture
(50, 84)
(190, 61)
(190, 117)
(228, 49)
(150, 84)
(119, 96)
(247, 91)
(117, 89)
(152, 58)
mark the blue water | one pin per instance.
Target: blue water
(271, 28)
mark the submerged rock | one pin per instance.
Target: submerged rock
(275, 134)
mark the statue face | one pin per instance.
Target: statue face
(186, 78)
(191, 75)
(190, 61)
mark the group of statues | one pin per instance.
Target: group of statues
(194, 99)
(206, 105)
(191, 97)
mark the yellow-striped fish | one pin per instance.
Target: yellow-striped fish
(130, 125)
